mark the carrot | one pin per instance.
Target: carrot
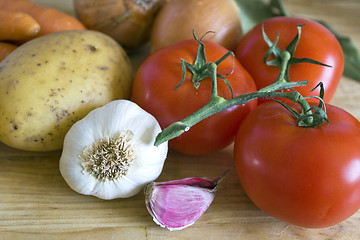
(17, 25)
(6, 49)
(50, 19)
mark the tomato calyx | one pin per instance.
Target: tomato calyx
(201, 69)
(276, 52)
(309, 116)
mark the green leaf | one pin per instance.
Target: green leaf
(253, 12)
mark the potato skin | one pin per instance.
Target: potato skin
(49, 83)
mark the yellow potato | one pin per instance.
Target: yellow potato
(49, 83)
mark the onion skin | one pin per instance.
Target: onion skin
(128, 22)
(177, 19)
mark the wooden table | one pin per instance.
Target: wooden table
(36, 203)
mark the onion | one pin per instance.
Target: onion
(177, 19)
(127, 21)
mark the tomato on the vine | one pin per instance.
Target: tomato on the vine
(154, 90)
(309, 177)
(316, 42)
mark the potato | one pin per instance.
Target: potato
(49, 83)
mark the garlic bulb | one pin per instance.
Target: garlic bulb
(110, 153)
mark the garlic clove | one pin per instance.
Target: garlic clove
(177, 204)
(110, 153)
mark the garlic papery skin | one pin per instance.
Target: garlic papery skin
(177, 204)
(110, 153)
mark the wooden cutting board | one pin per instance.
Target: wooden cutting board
(36, 203)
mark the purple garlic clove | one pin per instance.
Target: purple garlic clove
(179, 203)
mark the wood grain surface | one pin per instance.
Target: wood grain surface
(36, 203)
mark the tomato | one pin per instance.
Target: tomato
(154, 90)
(316, 42)
(309, 177)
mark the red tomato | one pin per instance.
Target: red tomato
(154, 90)
(309, 177)
(316, 42)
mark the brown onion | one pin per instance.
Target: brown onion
(127, 21)
(177, 19)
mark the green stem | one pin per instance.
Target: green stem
(218, 104)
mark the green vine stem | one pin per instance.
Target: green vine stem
(309, 117)
(218, 104)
